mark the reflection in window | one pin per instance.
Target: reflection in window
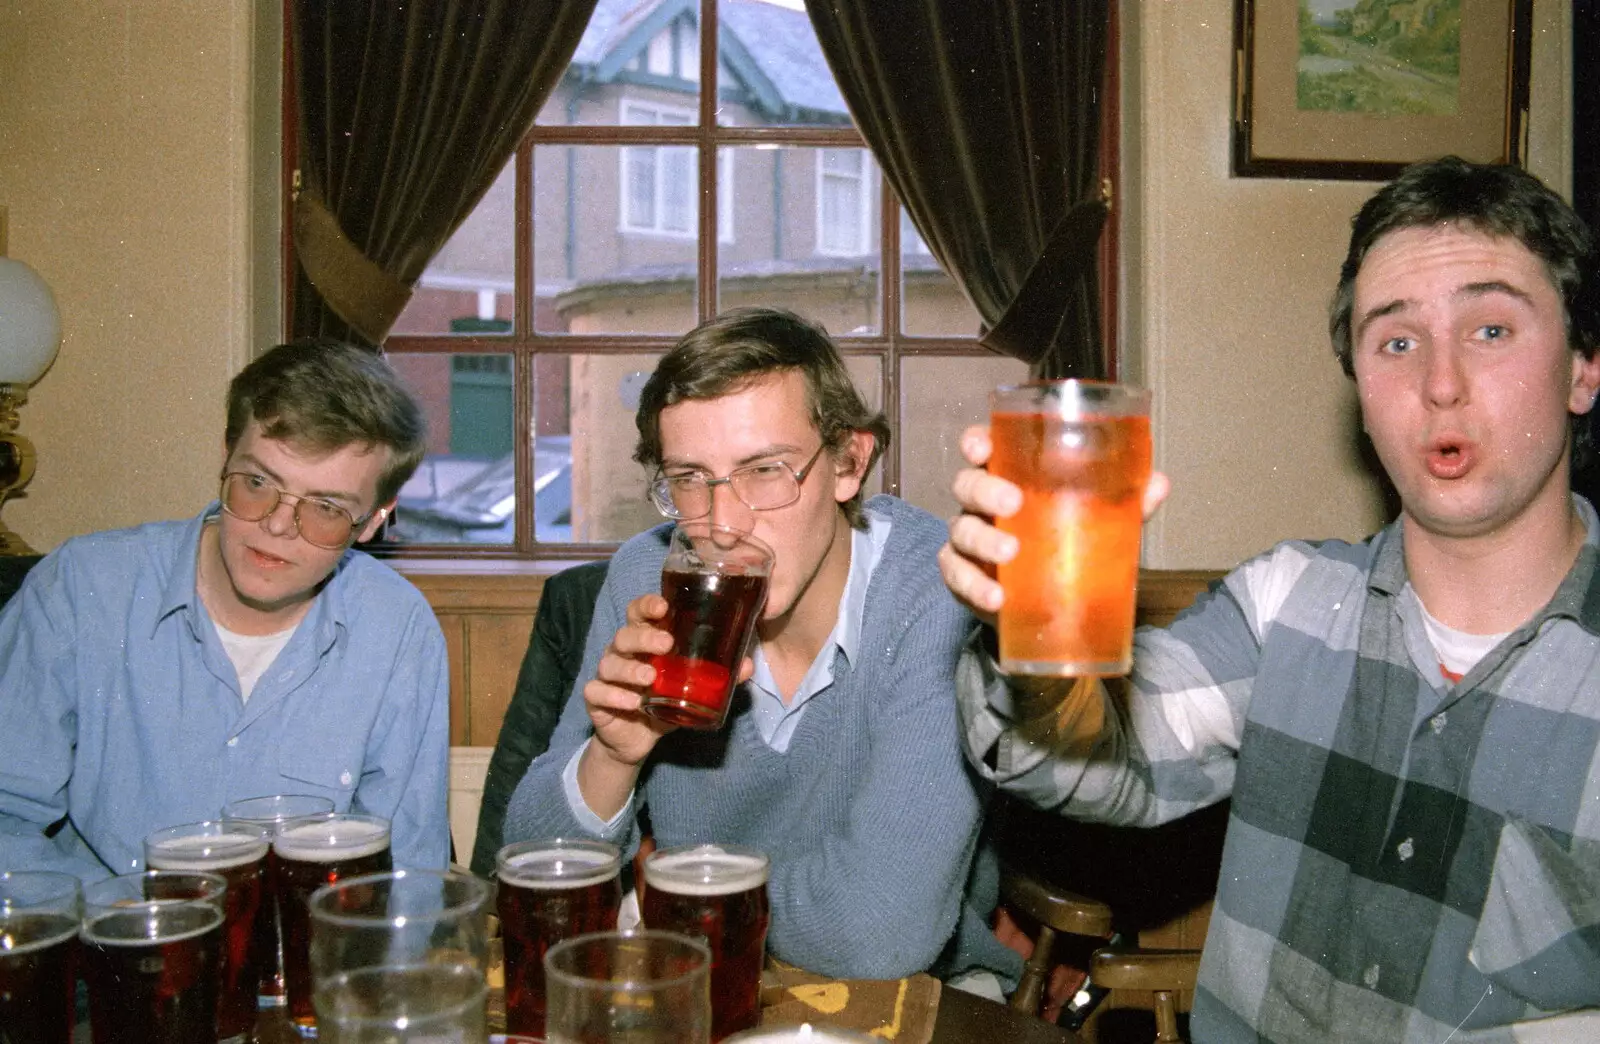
(844, 202)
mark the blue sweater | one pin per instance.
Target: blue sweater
(871, 817)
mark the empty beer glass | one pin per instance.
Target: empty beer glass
(644, 987)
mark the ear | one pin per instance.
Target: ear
(374, 523)
(1585, 382)
(850, 465)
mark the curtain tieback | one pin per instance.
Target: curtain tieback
(1033, 318)
(355, 287)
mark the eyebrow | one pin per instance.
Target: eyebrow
(745, 461)
(266, 472)
(1483, 289)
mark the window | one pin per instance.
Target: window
(844, 201)
(533, 329)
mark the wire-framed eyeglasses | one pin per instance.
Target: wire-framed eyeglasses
(321, 523)
(760, 487)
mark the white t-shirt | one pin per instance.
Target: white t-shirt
(252, 654)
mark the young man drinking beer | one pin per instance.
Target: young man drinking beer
(151, 675)
(1407, 727)
(840, 759)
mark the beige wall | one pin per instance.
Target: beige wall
(1227, 282)
(125, 138)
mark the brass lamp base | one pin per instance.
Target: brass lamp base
(16, 462)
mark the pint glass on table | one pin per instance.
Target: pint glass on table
(550, 891)
(312, 853)
(40, 912)
(237, 853)
(152, 946)
(715, 583)
(269, 813)
(1080, 451)
(717, 893)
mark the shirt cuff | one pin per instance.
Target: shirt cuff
(605, 828)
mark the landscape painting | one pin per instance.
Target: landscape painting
(1385, 57)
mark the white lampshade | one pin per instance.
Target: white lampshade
(30, 326)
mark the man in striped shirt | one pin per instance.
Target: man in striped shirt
(1407, 727)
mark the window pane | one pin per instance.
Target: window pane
(601, 265)
(608, 500)
(939, 397)
(866, 373)
(772, 72)
(465, 490)
(775, 258)
(631, 50)
(467, 287)
(845, 215)
(931, 303)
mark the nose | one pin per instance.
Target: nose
(280, 521)
(727, 509)
(1445, 379)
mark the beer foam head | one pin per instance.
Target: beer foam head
(328, 840)
(206, 851)
(706, 870)
(558, 865)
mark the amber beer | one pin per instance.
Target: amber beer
(152, 944)
(550, 891)
(1080, 451)
(312, 853)
(40, 912)
(717, 893)
(236, 853)
(268, 813)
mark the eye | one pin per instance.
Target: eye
(255, 483)
(325, 510)
(687, 480)
(765, 471)
(1397, 345)
(1493, 332)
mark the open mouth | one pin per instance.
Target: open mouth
(1449, 457)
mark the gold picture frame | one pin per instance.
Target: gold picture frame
(1357, 89)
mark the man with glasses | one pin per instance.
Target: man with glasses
(151, 675)
(841, 758)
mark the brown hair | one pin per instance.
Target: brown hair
(743, 345)
(326, 395)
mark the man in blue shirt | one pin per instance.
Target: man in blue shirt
(151, 675)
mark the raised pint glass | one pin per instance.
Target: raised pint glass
(40, 912)
(269, 813)
(312, 853)
(1080, 452)
(237, 853)
(152, 945)
(550, 891)
(717, 893)
(715, 583)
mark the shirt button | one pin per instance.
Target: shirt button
(233, 741)
(1406, 850)
(344, 779)
(1370, 977)
(1438, 722)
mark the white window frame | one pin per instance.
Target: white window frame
(867, 179)
(635, 112)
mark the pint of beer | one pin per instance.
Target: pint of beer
(269, 813)
(312, 853)
(40, 912)
(237, 853)
(550, 891)
(152, 946)
(717, 893)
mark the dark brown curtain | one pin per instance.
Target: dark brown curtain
(1586, 201)
(407, 112)
(986, 119)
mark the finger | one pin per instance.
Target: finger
(616, 669)
(747, 669)
(980, 493)
(641, 640)
(1155, 491)
(612, 699)
(646, 607)
(975, 445)
(969, 583)
(977, 540)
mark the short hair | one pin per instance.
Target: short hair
(1494, 199)
(326, 395)
(743, 345)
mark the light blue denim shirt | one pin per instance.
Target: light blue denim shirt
(775, 721)
(120, 710)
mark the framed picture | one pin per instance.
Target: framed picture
(1359, 88)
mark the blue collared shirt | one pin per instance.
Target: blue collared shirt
(776, 721)
(120, 710)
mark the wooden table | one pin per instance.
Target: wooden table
(962, 1019)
